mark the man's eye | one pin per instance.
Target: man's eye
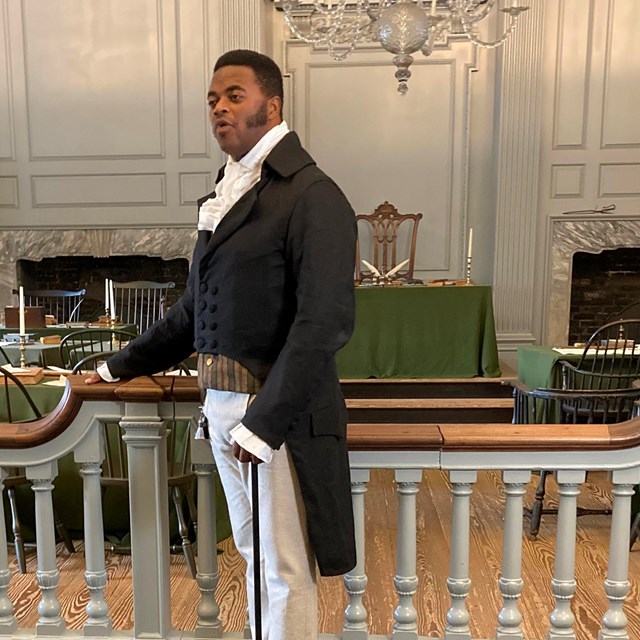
(235, 97)
(211, 104)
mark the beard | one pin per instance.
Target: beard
(259, 118)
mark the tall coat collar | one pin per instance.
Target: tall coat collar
(286, 158)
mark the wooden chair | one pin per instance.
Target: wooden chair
(63, 305)
(548, 406)
(77, 345)
(382, 226)
(610, 360)
(141, 302)
(16, 475)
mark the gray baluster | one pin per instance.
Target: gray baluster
(208, 624)
(510, 582)
(459, 583)
(146, 439)
(98, 621)
(8, 622)
(355, 582)
(617, 585)
(406, 581)
(563, 584)
(50, 623)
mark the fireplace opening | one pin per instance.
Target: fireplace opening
(85, 272)
(602, 284)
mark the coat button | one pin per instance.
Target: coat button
(201, 324)
(203, 287)
(200, 342)
(213, 308)
(214, 344)
(209, 361)
(203, 305)
(214, 326)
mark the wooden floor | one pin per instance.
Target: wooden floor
(434, 509)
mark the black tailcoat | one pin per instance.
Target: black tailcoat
(272, 288)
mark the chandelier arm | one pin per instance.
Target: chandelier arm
(486, 44)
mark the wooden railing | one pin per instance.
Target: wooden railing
(142, 406)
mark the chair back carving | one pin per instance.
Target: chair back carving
(610, 360)
(63, 305)
(384, 223)
(141, 302)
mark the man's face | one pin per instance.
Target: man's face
(240, 113)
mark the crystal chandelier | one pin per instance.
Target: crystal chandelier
(402, 27)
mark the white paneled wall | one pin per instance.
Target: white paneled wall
(103, 124)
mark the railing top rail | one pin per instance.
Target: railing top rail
(362, 437)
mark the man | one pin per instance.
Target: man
(269, 302)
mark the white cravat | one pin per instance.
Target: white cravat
(238, 178)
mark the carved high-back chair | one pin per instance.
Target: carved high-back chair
(141, 302)
(64, 306)
(382, 226)
(18, 406)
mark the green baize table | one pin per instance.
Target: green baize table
(67, 492)
(421, 332)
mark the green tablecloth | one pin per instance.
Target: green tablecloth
(45, 355)
(421, 332)
(537, 366)
(67, 492)
(63, 329)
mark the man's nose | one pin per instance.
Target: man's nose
(220, 108)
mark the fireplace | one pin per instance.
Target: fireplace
(89, 273)
(37, 244)
(569, 236)
(602, 284)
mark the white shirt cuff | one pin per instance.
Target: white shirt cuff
(251, 442)
(105, 374)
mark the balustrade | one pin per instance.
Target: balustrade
(143, 406)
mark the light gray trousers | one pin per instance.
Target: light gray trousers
(288, 566)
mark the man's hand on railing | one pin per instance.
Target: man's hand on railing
(93, 378)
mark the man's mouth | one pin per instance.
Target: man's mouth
(221, 125)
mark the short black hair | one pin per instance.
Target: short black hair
(267, 72)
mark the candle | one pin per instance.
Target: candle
(23, 326)
(470, 244)
(433, 7)
(112, 302)
(106, 293)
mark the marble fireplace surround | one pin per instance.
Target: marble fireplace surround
(568, 236)
(36, 244)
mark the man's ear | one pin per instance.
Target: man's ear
(274, 107)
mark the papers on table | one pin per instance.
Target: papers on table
(569, 351)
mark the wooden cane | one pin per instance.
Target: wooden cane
(255, 513)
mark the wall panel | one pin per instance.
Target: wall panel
(620, 122)
(131, 190)
(94, 78)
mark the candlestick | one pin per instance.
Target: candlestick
(106, 296)
(470, 244)
(112, 302)
(23, 351)
(433, 7)
(468, 278)
(23, 324)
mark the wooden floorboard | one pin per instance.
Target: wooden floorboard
(432, 601)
